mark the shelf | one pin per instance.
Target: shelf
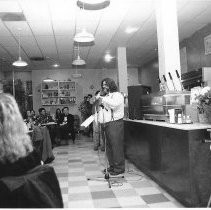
(50, 97)
(50, 89)
(60, 88)
(67, 104)
(58, 104)
(51, 105)
(66, 81)
(66, 89)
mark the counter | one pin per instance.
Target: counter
(173, 155)
(193, 126)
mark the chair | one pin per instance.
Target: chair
(77, 124)
(37, 140)
(42, 142)
(38, 188)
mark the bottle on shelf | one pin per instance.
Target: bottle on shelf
(179, 119)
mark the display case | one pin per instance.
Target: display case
(58, 93)
(155, 106)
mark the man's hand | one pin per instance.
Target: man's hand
(97, 96)
(100, 100)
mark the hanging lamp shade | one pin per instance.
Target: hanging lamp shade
(93, 4)
(79, 61)
(48, 79)
(84, 36)
(19, 62)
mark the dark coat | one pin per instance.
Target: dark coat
(70, 120)
(21, 166)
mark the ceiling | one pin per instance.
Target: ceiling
(48, 28)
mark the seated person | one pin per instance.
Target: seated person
(67, 125)
(16, 151)
(33, 115)
(58, 120)
(58, 116)
(43, 117)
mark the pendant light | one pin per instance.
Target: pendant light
(84, 36)
(76, 75)
(48, 79)
(78, 61)
(19, 62)
(93, 4)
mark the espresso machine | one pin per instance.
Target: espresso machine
(155, 106)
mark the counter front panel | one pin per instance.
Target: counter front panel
(177, 159)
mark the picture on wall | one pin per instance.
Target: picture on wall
(207, 44)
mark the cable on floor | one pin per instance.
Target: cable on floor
(128, 171)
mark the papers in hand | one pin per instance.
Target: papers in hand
(88, 121)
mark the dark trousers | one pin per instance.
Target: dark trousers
(114, 134)
(38, 146)
(65, 130)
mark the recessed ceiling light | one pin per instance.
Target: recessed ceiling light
(108, 58)
(56, 65)
(130, 30)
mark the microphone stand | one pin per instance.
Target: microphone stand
(107, 176)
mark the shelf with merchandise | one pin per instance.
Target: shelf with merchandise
(58, 93)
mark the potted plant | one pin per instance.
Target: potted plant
(202, 97)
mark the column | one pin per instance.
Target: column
(168, 41)
(122, 69)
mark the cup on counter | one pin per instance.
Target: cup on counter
(171, 115)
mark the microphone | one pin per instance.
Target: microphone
(100, 104)
(103, 93)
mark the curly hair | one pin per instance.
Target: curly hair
(111, 84)
(14, 141)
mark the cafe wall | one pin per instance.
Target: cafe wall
(148, 75)
(195, 49)
(88, 83)
(194, 58)
(22, 75)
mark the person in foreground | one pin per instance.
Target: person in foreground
(111, 117)
(24, 182)
(16, 150)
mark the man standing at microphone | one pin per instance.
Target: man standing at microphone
(111, 117)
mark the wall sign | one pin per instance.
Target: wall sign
(207, 44)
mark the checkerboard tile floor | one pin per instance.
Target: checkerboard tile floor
(75, 163)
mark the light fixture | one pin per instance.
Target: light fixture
(84, 36)
(76, 75)
(48, 79)
(130, 30)
(56, 65)
(108, 58)
(78, 61)
(19, 62)
(93, 4)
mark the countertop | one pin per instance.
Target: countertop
(193, 126)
